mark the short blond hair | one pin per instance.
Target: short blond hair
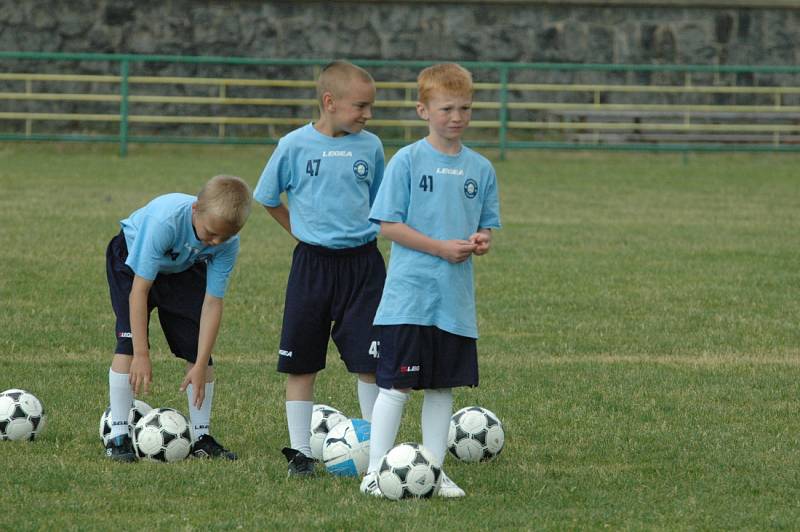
(337, 75)
(226, 197)
(445, 77)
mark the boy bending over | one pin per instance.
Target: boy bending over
(175, 254)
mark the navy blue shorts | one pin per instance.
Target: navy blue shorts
(331, 286)
(424, 357)
(177, 296)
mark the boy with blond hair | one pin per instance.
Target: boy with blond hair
(330, 171)
(438, 204)
(175, 254)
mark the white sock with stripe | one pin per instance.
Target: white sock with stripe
(200, 418)
(120, 394)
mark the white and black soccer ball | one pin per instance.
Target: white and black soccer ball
(137, 412)
(22, 415)
(345, 451)
(163, 435)
(323, 419)
(409, 470)
(475, 435)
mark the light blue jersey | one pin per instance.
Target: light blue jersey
(330, 184)
(161, 239)
(444, 197)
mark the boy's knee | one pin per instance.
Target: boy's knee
(368, 378)
(300, 387)
(439, 395)
(394, 394)
(121, 363)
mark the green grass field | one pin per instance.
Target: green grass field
(639, 320)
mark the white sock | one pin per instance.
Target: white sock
(437, 408)
(367, 393)
(120, 394)
(388, 412)
(298, 416)
(200, 417)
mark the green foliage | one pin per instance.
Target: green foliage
(639, 321)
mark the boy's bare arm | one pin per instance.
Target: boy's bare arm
(450, 250)
(210, 319)
(281, 215)
(141, 372)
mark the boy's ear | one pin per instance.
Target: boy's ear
(327, 101)
(422, 111)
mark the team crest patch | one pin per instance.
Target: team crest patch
(470, 188)
(361, 169)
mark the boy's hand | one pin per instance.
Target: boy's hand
(141, 374)
(482, 241)
(455, 251)
(197, 378)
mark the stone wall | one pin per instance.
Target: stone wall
(471, 31)
(498, 31)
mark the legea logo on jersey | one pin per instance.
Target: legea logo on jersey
(361, 169)
(450, 171)
(337, 153)
(470, 188)
(284, 353)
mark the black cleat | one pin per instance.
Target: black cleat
(300, 465)
(207, 447)
(120, 449)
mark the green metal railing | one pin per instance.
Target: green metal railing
(493, 77)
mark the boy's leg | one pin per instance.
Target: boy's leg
(179, 299)
(437, 408)
(367, 394)
(201, 417)
(299, 407)
(120, 392)
(354, 308)
(204, 446)
(455, 361)
(387, 415)
(400, 346)
(303, 347)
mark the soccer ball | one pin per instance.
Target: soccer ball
(475, 435)
(323, 419)
(409, 470)
(346, 448)
(139, 409)
(22, 415)
(163, 435)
